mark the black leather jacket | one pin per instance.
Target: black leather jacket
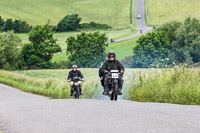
(73, 74)
(110, 65)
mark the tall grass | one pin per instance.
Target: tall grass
(48, 85)
(180, 85)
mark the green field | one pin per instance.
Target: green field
(123, 48)
(62, 37)
(162, 11)
(115, 13)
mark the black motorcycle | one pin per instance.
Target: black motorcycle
(113, 76)
(76, 86)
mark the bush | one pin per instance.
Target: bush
(69, 23)
(10, 57)
(94, 26)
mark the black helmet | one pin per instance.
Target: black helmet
(111, 53)
(74, 66)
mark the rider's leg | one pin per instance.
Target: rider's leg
(80, 84)
(120, 85)
(72, 88)
(106, 85)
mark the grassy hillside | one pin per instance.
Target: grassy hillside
(161, 11)
(112, 12)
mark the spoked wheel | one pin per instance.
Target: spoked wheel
(76, 95)
(115, 92)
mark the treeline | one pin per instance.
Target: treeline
(68, 23)
(18, 26)
(170, 44)
(72, 23)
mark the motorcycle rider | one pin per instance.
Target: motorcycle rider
(111, 64)
(75, 73)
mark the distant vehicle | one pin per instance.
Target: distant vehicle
(139, 16)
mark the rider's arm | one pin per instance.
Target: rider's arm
(80, 74)
(121, 67)
(103, 68)
(69, 76)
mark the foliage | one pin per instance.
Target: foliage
(1, 24)
(93, 25)
(170, 29)
(69, 23)
(180, 85)
(127, 62)
(151, 49)
(8, 25)
(186, 45)
(43, 45)
(21, 26)
(87, 50)
(17, 26)
(10, 57)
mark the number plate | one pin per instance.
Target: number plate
(115, 75)
(76, 84)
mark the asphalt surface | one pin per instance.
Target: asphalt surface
(22, 112)
(141, 24)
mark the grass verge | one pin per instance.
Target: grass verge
(51, 87)
(180, 86)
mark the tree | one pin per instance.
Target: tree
(10, 44)
(69, 23)
(8, 25)
(16, 26)
(87, 50)
(39, 53)
(186, 46)
(170, 29)
(21, 26)
(151, 49)
(1, 24)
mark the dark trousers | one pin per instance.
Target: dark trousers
(106, 83)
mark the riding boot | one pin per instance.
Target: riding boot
(106, 86)
(120, 91)
(72, 92)
(80, 91)
(105, 91)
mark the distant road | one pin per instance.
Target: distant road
(22, 112)
(141, 24)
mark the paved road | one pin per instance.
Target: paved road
(22, 112)
(141, 24)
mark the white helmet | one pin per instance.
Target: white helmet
(74, 66)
